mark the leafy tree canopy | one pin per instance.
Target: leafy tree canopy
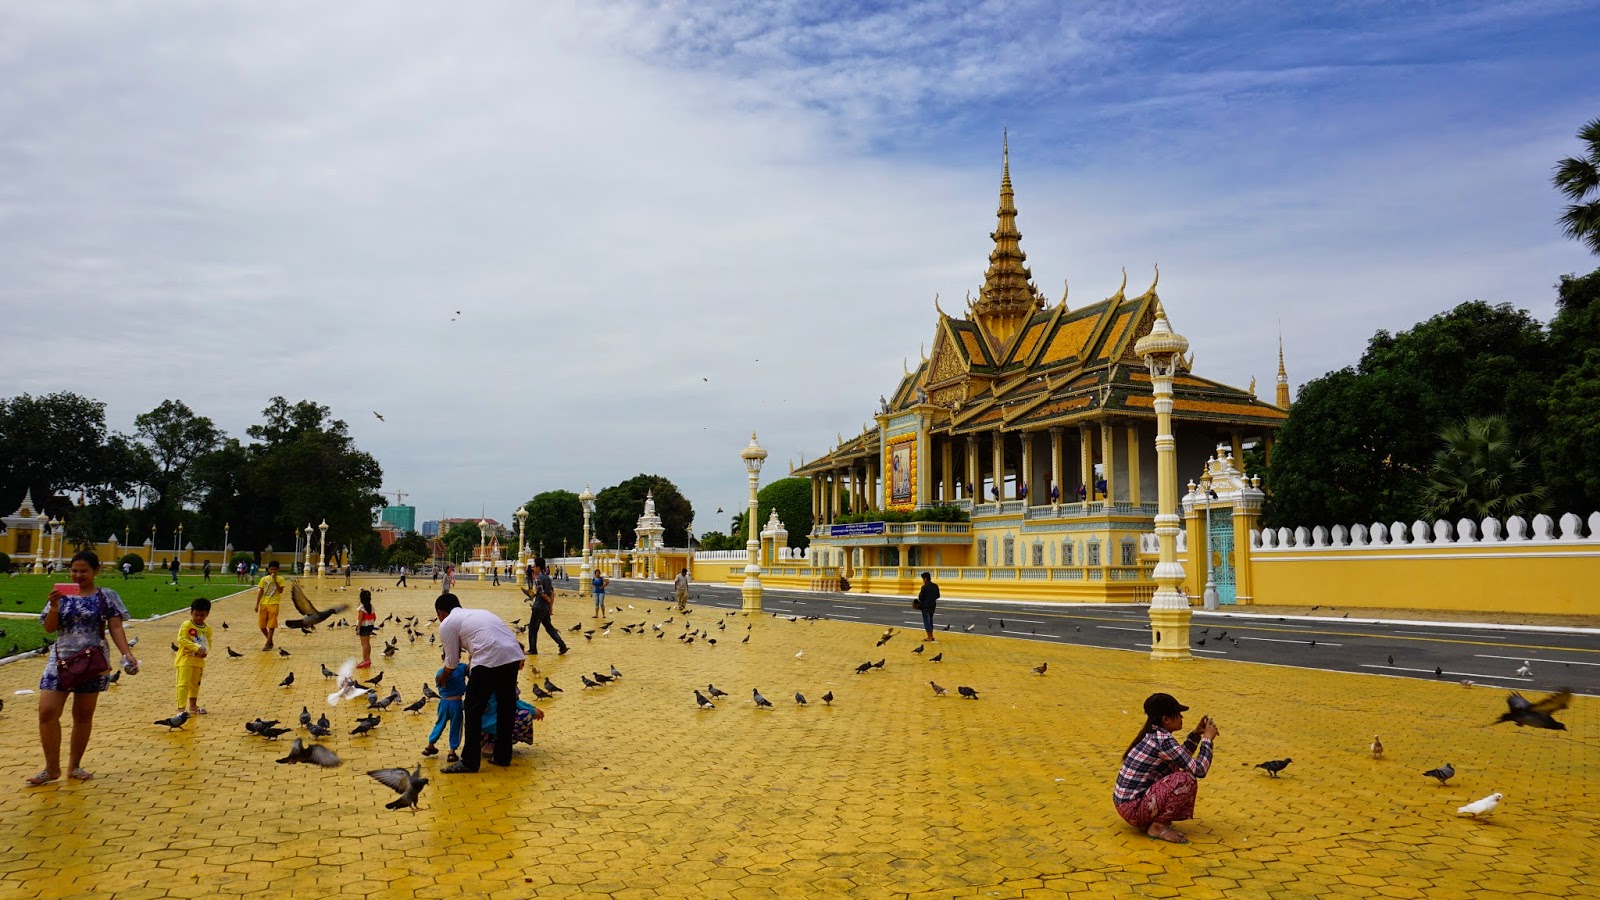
(1578, 177)
(792, 498)
(461, 541)
(555, 520)
(173, 438)
(1572, 442)
(411, 543)
(618, 508)
(54, 444)
(1483, 470)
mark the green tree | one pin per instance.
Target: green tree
(618, 508)
(555, 520)
(53, 444)
(716, 540)
(1572, 443)
(1575, 329)
(409, 543)
(307, 469)
(1483, 470)
(461, 541)
(1579, 178)
(792, 497)
(174, 438)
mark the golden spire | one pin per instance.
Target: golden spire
(1283, 378)
(1007, 296)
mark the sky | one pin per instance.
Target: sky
(560, 244)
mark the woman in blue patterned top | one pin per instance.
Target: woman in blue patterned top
(81, 620)
(1157, 783)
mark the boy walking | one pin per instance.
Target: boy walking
(269, 593)
(452, 690)
(194, 643)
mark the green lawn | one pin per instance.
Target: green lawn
(145, 595)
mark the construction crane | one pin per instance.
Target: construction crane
(399, 496)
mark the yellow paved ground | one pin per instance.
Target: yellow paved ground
(630, 791)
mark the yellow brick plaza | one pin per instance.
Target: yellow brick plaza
(630, 791)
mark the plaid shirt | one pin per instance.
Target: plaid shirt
(1157, 755)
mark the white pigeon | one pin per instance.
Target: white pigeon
(1482, 807)
(1525, 671)
(349, 688)
(800, 654)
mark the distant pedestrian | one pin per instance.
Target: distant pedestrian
(680, 588)
(927, 601)
(494, 573)
(543, 594)
(346, 574)
(449, 578)
(402, 581)
(205, 571)
(126, 569)
(173, 568)
(598, 586)
(496, 659)
(269, 593)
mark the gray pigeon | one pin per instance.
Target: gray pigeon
(1444, 773)
(289, 680)
(714, 692)
(327, 672)
(1536, 714)
(551, 687)
(701, 701)
(316, 754)
(800, 698)
(937, 690)
(305, 717)
(428, 693)
(273, 734)
(1274, 766)
(417, 706)
(761, 701)
(317, 730)
(363, 726)
(257, 725)
(408, 785)
(176, 721)
(967, 693)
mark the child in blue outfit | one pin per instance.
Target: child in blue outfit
(451, 693)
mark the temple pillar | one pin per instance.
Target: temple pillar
(1025, 474)
(1267, 451)
(1238, 449)
(1086, 464)
(1108, 450)
(946, 483)
(1055, 466)
(997, 444)
(1133, 463)
(974, 482)
(874, 501)
(816, 501)
(833, 501)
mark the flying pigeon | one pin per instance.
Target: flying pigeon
(1537, 714)
(379, 415)
(349, 688)
(310, 616)
(760, 700)
(1482, 807)
(966, 692)
(288, 680)
(1444, 773)
(1377, 748)
(701, 701)
(234, 654)
(937, 690)
(408, 785)
(176, 721)
(316, 754)
(1274, 766)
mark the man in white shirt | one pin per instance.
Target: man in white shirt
(496, 658)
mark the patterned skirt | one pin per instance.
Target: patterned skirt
(1169, 800)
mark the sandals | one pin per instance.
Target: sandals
(452, 757)
(44, 777)
(1162, 836)
(430, 751)
(82, 774)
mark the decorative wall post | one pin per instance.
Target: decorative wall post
(1169, 610)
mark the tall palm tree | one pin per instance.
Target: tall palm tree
(1578, 178)
(1483, 470)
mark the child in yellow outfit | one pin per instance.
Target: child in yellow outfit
(194, 643)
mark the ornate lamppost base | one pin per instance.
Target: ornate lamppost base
(750, 594)
(1169, 632)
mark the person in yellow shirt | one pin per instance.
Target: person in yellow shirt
(194, 644)
(269, 593)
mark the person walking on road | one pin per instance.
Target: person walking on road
(927, 601)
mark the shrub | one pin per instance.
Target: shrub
(134, 561)
(5, 563)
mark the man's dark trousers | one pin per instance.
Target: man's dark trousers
(501, 681)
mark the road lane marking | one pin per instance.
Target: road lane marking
(1250, 637)
(1451, 634)
(1430, 671)
(1564, 662)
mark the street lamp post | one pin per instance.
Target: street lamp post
(322, 551)
(483, 549)
(585, 574)
(750, 592)
(39, 546)
(152, 563)
(55, 542)
(522, 546)
(305, 556)
(227, 548)
(1210, 596)
(177, 548)
(1170, 615)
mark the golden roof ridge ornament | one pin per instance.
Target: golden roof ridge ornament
(1008, 295)
(1066, 288)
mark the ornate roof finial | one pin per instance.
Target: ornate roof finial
(1283, 376)
(1156, 281)
(1007, 296)
(1065, 290)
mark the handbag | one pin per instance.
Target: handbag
(89, 663)
(916, 603)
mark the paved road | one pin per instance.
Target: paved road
(1486, 656)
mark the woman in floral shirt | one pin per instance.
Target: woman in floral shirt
(81, 620)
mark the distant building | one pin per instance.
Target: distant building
(430, 528)
(402, 517)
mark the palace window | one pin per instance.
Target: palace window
(1038, 554)
(1066, 553)
(1129, 551)
(983, 551)
(1011, 551)
(1094, 552)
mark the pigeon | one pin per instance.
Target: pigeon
(1438, 671)
(1525, 671)
(800, 698)
(349, 687)
(1444, 773)
(587, 682)
(800, 655)
(408, 785)
(363, 726)
(540, 692)
(551, 687)
(316, 754)
(827, 699)
(282, 652)
(920, 648)
(937, 690)
(176, 721)
(316, 730)
(1467, 682)
(701, 701)
(305, 717)
(966, 692)
(1274, 766)
(745, 641)
(1040, 668)
(376, 679)
(1391, 660)
(233, 654)
(322, 720)
(970, 627)
(259, 725)
(114, 677)
(715, 692)
(379, 415)
(428, 693)
(1377, 748)
(576, 628)
(864, 668)
(287, 681)
(1482, 807)
(327, 672)
(602, 679)
(417, 706)
(1537, 714)
(879, 663)
(615, 673)
(273, 734)
(939, 657)
(760, 700)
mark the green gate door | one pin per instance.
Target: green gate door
(1219, 543)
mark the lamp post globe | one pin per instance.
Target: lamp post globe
(750, 591)
(586, 573)
(522, 546)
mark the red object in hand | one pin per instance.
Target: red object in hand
(70, 589)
